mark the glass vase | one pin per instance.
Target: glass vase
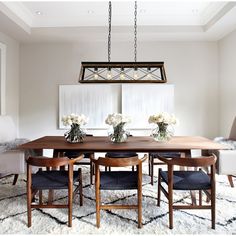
(75, 135)
(163, 132)
(118, 134)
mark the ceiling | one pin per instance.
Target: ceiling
(88, 20)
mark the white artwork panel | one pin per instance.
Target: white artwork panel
(95, 101)
(142, 100)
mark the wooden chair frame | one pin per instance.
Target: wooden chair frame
(118, 162)
(188, 162)
(51, 163)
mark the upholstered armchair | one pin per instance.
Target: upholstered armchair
(12, 161)
(226, 163)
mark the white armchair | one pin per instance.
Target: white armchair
(12, 161)
(226, 163)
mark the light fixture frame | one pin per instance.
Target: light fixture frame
(133, 65)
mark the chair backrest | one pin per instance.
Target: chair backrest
(7, 129)
(232, 134)
(48, 162)
(190, 162)
(52, 162)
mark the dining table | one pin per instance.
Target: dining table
(139, 144)
(144, 144)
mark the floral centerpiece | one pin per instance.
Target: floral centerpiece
(118, 121)
(76, 134)
(164, 129)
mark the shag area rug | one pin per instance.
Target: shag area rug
(13, 212)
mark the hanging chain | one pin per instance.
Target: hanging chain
(135, 31)
(109, 31)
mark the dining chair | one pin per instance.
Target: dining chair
(75, 153)
(153, 160)
(188, 180)
(52, 179)
(118, 180)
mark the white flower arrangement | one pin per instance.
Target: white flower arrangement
(119, 133)
(163, 117)
(76, 133)
(116, 119)
(163, 132)
(74, 119)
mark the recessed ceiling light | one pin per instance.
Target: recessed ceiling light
(38, 13)
(195, 11)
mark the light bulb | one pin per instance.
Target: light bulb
(149, 75)
(135, 74)
(122, 74)
(109, 74)
(95, 75)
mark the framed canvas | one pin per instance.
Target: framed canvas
(95, 101)
(142, 100)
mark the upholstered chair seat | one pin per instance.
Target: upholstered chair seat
(191, 180)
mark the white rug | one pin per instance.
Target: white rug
(13, 212)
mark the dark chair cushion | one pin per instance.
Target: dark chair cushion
(188, 180)
(74, 154)
(120, 154)
(165, 154)
(51, 179)
(119, 180)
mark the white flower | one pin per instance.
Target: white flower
(163, 117)
(74, 119)
(117, 118)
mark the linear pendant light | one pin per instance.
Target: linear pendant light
(122, 72)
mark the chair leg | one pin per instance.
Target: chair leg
(70, 198)
(91, 172)
(213, 208)
(152, 169)
(40, 197)
(80, 188)
(15, 179)
(170, 202)
(50, 196)
(139, 208)
(98, 207)
(159, 189)
(149, 165)
(200, 197)
(230, 178)
(29, 213)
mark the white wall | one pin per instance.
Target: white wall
(12, 76)
(227, 88)
(190, 66)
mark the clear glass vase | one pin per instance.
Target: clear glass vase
(75, 135)
(163, 132)
(118, 134)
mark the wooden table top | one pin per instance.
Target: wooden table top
(137, 144)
